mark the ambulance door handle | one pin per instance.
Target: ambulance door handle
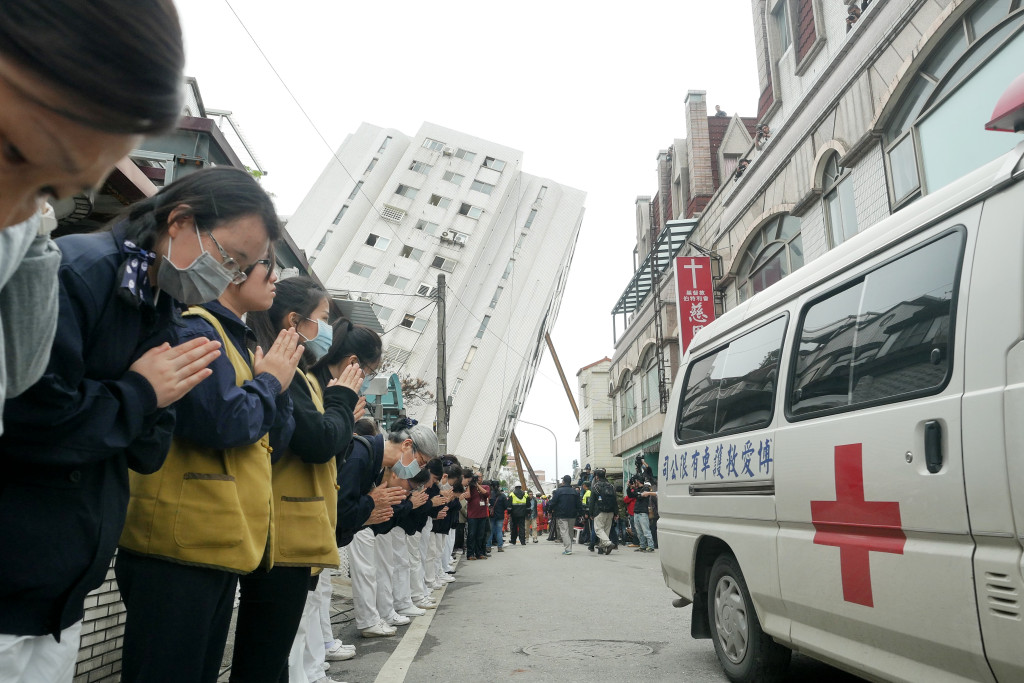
(933, 446)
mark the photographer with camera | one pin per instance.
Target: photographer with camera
(565, 507)
(478, 524)
(603, 506)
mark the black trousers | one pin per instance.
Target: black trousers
(518, 525)
(177, 619)
(460, 536)
(269, 612)
(476, 539)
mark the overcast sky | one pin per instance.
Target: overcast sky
(589, 95)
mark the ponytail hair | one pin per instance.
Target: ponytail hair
(349, 340)
(301, 295)
(424, 440)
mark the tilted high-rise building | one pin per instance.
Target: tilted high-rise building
(391, 211)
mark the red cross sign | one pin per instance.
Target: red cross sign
(856, 526)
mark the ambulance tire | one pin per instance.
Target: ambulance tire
(747, 654)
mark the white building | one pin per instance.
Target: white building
(392, 211)
(596, 418)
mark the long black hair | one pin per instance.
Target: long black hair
(213, 195)
(300, 295)
(116, 63)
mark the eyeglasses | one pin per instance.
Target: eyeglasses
(264, 261)
(237, 276)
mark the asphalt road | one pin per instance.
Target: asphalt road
(531, 613)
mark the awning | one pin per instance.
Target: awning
(670, 242)
(360, 313)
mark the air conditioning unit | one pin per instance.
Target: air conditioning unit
(447, 235)
(447, 151)
(461, 238)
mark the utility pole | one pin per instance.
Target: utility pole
(441, 393)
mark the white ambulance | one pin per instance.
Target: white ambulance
(842, 465)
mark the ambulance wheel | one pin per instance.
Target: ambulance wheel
(746, 653)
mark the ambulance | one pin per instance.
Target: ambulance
(842, 465)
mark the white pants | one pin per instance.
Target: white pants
(425, 552)
(416, 585)
(449, 548)
(430, 556)
(364, 579)
(309, 650)
(385, 558)
(437, 547)
(324, 592)
(29, 659)
(402, 588)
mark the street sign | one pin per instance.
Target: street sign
(695, 296)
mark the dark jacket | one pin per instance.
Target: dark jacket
(499, 504)
(565, 503)
(642, 502)
(318, 437)
(70, 439)
(356, 478)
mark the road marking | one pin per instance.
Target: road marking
(397, 666)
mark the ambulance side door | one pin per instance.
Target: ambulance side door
(875, 549)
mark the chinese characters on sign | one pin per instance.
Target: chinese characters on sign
(695, 296)
(746, 459)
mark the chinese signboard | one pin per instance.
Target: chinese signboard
(695, 296)
(729, 460)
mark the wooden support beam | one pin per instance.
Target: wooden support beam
(565, 383)
(517, 448)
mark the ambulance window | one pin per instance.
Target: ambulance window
(733, 389)
(883, 339)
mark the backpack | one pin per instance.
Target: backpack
(606, 500)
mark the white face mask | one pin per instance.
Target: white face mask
(202, 281)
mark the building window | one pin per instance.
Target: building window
(453, 178)
(407, 192)
(360, 269)
(486, 188)
(543, 191)
(469, 357)
(586, 443)
(411, 252)
(497, 295)
(840, 208)
(337, 219)
(438, 200)
(729, 163)
(426, 289)
(383, 313)
(458, 385)
(519, 242)
(396, 356)
(427, 226)
(323, 242)
(384, 145)
(465, 154)
(775, 252)
(420, 167)
(616, 412)
(435, 145)
(585, 396)
(530, 219)
(378, 242)
(483, 327)
(442, 263)
(780, 18)
(650, 389)
(373, 162)
(413, 323)
(396, 281)
(628, 403)
(355, 190)
(927, 143)
(496, 164)
(508, 269)
(470, 210)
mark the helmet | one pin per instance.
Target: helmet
(600, 472)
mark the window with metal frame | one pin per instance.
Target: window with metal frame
(838, 203)
(732, 389)
(775, 251)
(496, 164)
(927, 144)
(397, 281)
(360, 269)
(883, 337)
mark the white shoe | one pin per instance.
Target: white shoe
(397, 619)
(426, 604)
(379, 630)
(412, 611)
(447, 579)
(328, 679)
(326, 666)
(339, 652)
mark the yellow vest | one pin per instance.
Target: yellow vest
(305, 504)
(586, 496)
(516, 500)
(207, 507)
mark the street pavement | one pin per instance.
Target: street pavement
(533, 614)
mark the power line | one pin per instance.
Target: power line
(310, 120)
